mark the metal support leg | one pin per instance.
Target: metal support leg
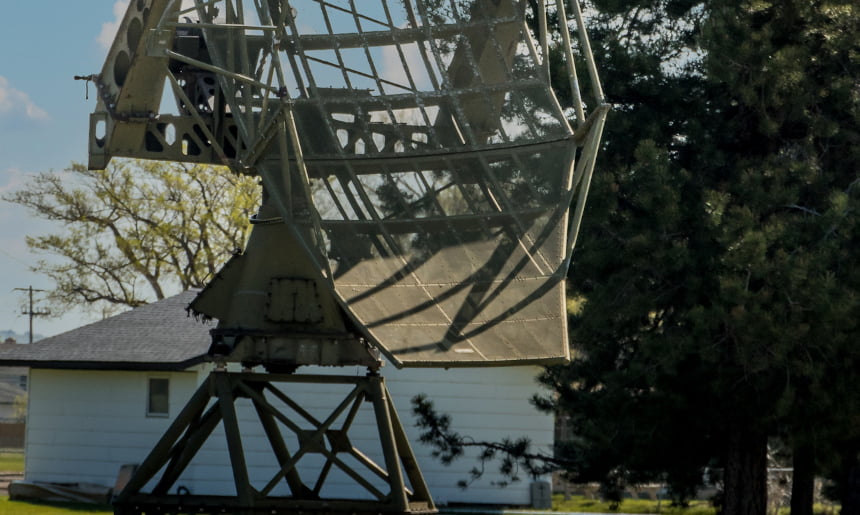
(187, 448)
(226, 400)
(327, 437)
(161, 452)
(410, 465)
(379, 398)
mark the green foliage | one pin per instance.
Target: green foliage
(715, 259)
(136, 230)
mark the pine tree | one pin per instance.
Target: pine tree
(719, 302)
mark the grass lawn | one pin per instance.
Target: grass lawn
(578, 503)
(11, 461)
(8, 507)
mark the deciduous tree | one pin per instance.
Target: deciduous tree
(136, 231)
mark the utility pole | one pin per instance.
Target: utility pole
(32, 314)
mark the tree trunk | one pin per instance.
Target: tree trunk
(803, 480)
(745, 475)
(851, 493)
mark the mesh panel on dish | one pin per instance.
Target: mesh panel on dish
(432, 175)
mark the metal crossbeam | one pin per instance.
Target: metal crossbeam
(214, 403)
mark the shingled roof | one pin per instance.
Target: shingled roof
(157, 336)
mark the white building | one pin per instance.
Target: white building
(101, 396)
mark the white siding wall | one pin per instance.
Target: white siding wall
(485, 403)
(84, 425)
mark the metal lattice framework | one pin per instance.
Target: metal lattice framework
(306, 437)
(415, 150)
(422, 188)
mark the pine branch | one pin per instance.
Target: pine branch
(448, 446)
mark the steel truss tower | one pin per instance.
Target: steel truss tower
(423, 189)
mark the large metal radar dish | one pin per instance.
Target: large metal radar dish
(422, 192)
(413, 149)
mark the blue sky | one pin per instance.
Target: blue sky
(44, 124)
(44, 119)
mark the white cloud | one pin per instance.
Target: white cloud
(109, 29)
(14, 103)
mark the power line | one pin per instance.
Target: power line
(32, 314)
